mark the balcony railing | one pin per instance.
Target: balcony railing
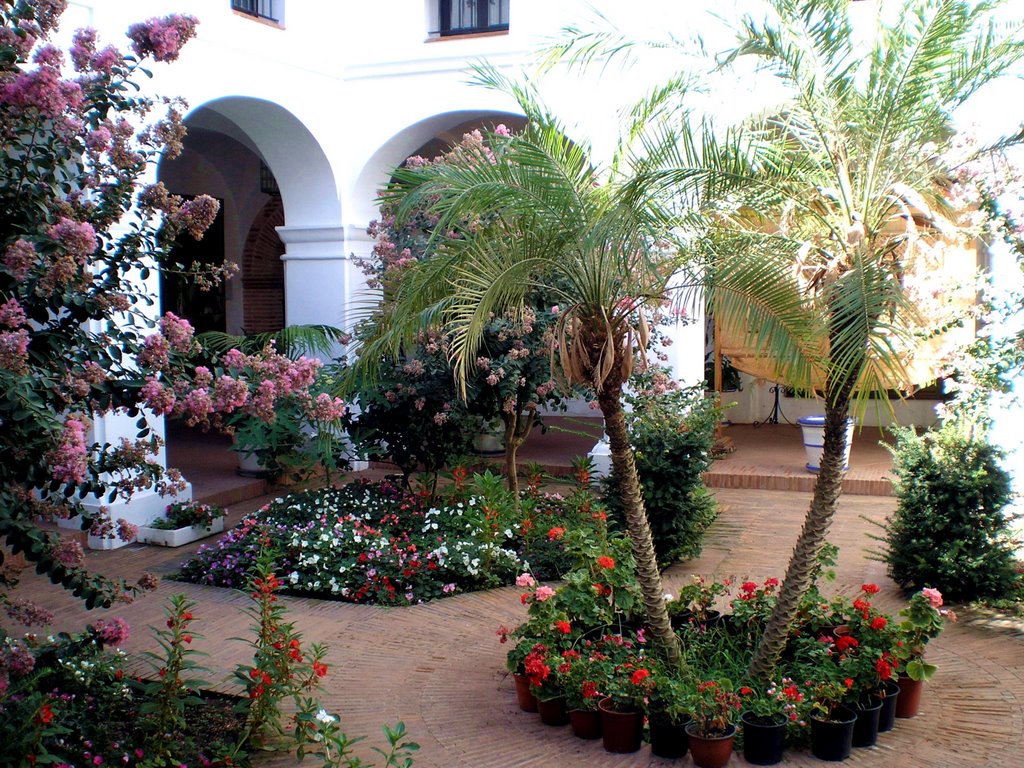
(261, 9)
(465, 17)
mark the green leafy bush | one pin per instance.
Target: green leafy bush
(672, 431)
(950, 530)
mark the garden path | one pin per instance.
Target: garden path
(440, 668)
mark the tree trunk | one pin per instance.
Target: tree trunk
(648, 575)
(812, 537)
(517, 429)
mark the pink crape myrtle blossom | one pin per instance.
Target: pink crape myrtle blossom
(162, 37)
(69, 460)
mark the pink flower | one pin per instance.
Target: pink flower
(525, 580)
(933, 595)
(162, 38)
(543, 593)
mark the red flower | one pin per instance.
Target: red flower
(563, 626)
(861, 605)
(884, 669)
(606, 562)
(879, 622)
(45, 715)
(187, 638)
(589, 690)
(556, 533)
(848, 682)
(319, 669)
(748, 586)
(870, 589)
(772, 582)
(845, 642)
(639, 676)
(745, 691)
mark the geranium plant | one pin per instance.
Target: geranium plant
(714, 707)
(923, 620)
(696, 598)
(781, 701)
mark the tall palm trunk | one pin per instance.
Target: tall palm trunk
(648, 575)
(812, 538)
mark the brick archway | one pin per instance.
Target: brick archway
(263, 271)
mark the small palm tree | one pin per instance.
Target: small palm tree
(532, 216)
(813, 215)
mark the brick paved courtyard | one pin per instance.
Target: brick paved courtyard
(440, 668)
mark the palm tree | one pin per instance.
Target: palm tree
(537, 216)
(813, 215)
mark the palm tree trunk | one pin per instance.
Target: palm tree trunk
(812, 537)
(648, 575)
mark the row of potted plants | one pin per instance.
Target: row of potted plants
(844, 674)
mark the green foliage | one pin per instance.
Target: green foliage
(172, 689)
(672, 432)
(182, 514)
(950, 529)
(411, 413)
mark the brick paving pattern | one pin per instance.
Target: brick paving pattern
(440, 668)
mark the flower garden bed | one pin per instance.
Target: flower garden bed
(379, 543)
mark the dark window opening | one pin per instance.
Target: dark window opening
(464, 17)
(261, 9)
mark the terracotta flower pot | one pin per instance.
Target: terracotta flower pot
(710, 751)
(586, 723)
(621, 731)
(909, 700)
(527, 701)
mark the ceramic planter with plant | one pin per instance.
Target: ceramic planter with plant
(628, 684)
(182, 523)
(544, 670)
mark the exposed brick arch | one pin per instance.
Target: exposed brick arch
(263, 271)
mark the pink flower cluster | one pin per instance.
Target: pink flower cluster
(68, 461)
(113, 632)
(162, 38)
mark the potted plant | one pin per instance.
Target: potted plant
(182, 523)
(693, 604)
(628, 682)
(767, 713)
(544, 671)
(668, 714)
(922, 620)
(516, 662)
(583, 682)
(832, 719)
(713, 706)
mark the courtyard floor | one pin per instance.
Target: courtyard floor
(440, 668)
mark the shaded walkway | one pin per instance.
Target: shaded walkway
(439, 666)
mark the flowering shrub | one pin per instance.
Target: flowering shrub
(77, 233)
(369, 543)
(511, 377)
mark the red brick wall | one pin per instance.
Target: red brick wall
(263, 271)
